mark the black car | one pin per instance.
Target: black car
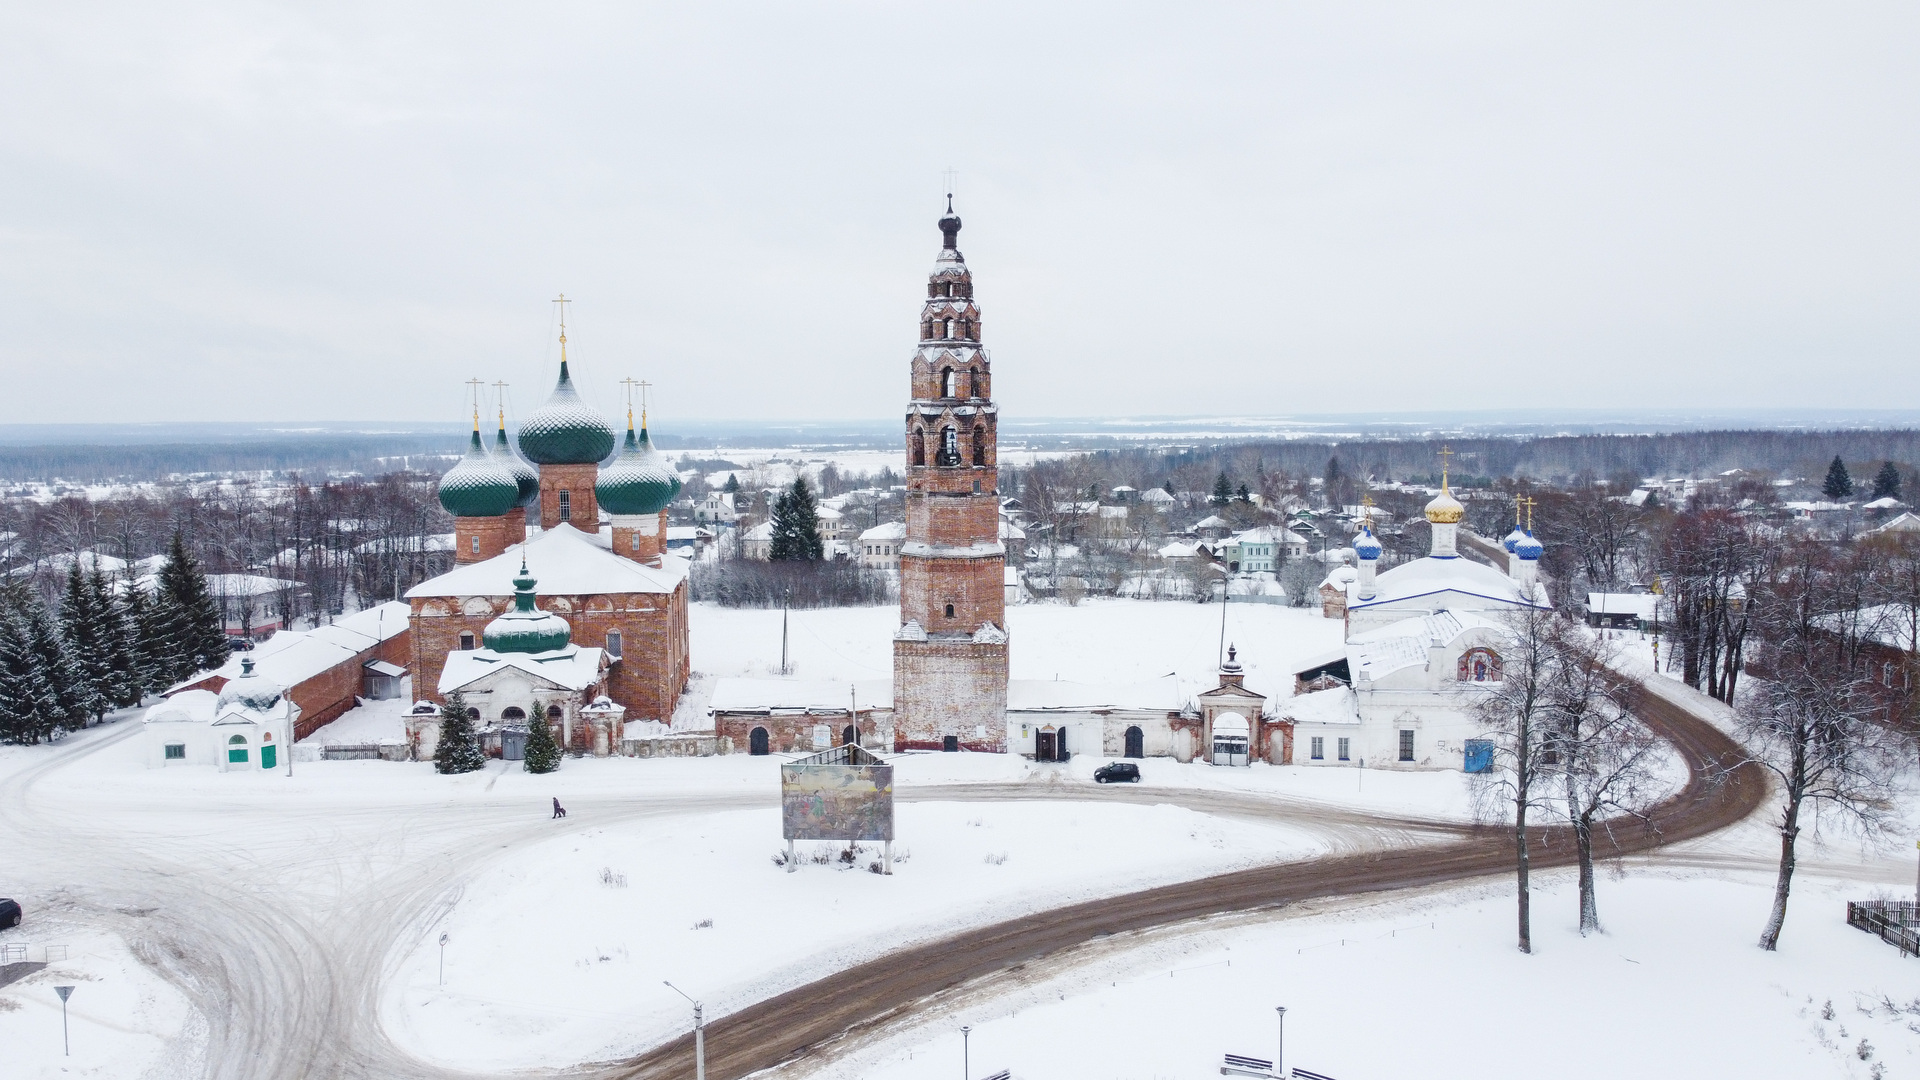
(9, 913)
(1117, 772)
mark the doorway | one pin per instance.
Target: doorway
(268, 756)
(237, 750)
(1136, 743)
(757, 742)
(1043, 746)
(950, 744)
(847, 735)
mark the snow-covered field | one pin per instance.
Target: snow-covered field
(1431, 986)
(560, 950)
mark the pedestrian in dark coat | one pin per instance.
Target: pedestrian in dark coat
(558, 810)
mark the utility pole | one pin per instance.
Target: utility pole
(66, 1045)
(699, 1034)
(785, 596)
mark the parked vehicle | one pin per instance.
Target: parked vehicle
(1117, 772)
(9, 913)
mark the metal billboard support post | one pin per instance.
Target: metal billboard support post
(1280, 1049)
(66, 1044)
(699, 1034)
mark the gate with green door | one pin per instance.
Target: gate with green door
(267, 756)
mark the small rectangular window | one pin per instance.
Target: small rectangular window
(476, 544)
(1344, 745)
(613, 644)
(1319, 748)
(566, 506)
(1406, 746)
(176, 751)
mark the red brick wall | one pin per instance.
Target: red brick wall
(791, 734)
(490, 532)
(975, 587)
(949, 687)
(578, 481)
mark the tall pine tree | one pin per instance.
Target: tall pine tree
(129, 681)
(73, 701)
(195, 616)
(22, 687)
(1838, 485)
(1222, 490)
(157, 656)
(459, 748)
(87, 630)
(796, 525)
(1886, 482)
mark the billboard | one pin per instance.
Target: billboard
(836, 802)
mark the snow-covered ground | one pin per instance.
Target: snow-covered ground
(559, 951)
(1432, 986)
(125, 1020)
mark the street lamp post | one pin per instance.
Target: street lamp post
(1280, 1050)
(966, 1069)
(443, 959)
(699, 1034)
(66, 1045)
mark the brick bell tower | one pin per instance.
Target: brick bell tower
(950, 653)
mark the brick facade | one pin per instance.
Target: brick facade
(477, 539)
(950, 657)
(582, 505)
(324, 697)
(790, 733)
(640, 537)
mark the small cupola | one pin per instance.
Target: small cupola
(478, 485)
(527, 629)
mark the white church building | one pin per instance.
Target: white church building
(1424, 642)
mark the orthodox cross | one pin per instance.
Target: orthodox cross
(949, 176)
(500, 399)
(641, 385)
(563, 302)
(1366, 510)
(1530, 504)
(1446, 459)
(476, 384)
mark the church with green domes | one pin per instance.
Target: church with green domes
(563, 601)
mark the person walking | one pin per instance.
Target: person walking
(558, 810)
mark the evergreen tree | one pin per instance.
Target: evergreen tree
(1243, 495)
(1168, 487)
(1886, 482)
(733, 484)
(1839, 485)
(1222, 490)
(20, 700)
(202, 635)
(85, 629)
(157, 653)
(129, 682)
(796, 525)
(72, 700)
(543, 754)
(459, 748)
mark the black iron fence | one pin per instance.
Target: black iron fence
(1896, 921)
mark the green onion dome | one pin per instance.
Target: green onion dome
(523, 473)
(478, 485)
(639, 481)
(526, 629)
(566, 430)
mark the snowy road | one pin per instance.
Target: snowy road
(281, 915)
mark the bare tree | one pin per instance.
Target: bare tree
(1515, 711)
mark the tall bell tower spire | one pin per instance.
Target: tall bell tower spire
(950, 654)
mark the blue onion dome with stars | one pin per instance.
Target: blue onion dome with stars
(639, 481)
(478, 485)
(526, 629)
(1365, 545)
(523, 473)
(1528, 548)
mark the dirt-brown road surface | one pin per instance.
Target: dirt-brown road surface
(1719, 792)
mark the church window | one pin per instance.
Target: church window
(1318, 752)
(919, 448)
(1344, 746)
(473, 714)
(1478, 665)
(466, 639)
(973, 379)
(1406, 745)
(476, 543)
(614, 644)
(947, 383)
(949, 447)
(513, 713)
(948, 332)
(636, 542)
(566, 505)
(553, 712)
(979, 445)
(176, 751)
(949, 611)
(926, 329)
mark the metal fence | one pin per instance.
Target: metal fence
(1896, 921)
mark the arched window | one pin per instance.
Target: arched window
(238, 740)
(554, 713)
(473, 714)
(919, 448)
(949, 611)
(948, 334)
(466, 639)
(1479, 665)
(757, 742)
(947, 382)
(949, 447)
(979, 444)
(926, 329)
(974, 384)
(614, 644)
(513, 714)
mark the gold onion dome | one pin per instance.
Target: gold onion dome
(639, 481)
(526, 629)
(566, 430)
(478, 485)
(1445, 509)
(523, 473)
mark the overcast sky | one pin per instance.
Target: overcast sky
(214, 212)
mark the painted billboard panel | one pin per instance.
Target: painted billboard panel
(836, 802)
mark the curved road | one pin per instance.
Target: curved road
(1720, 791)
(284, 954)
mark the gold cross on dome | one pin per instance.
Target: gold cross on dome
(563, 302)
(476, 384)
(1446, 459)
(500, 399)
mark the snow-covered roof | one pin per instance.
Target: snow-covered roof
(1640, 605)
(1177, 550)
(1010, 531)
(565, 562)
(1432, 576)
(1387, 649)
(1334, 706)
(1155, 495)
(892, 530)
(573, 668)
(1212, 521)
(1887, 503)
(1041, 695)
(1907, 522)
(1341, 577)
(291, 657)
(799, 695)
(762, 531)
(187, 707)
(89, 562)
